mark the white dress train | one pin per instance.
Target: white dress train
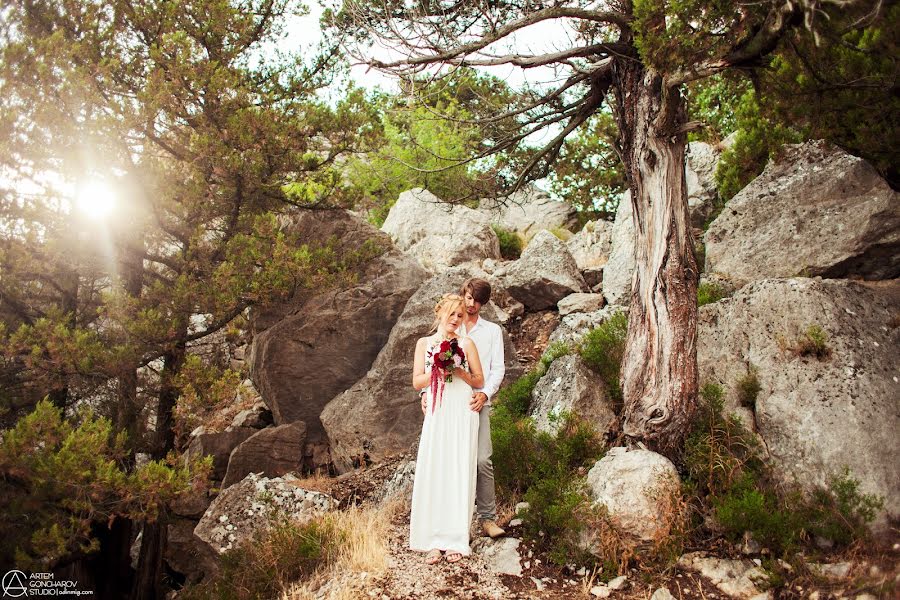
(444, 487)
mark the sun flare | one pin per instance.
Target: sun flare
(96, 200)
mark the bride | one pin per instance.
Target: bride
(444, 487)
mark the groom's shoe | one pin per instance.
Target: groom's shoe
(492, 529)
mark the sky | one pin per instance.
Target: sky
(541, 37)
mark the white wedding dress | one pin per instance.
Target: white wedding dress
(444, 487)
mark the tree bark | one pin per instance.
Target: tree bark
(659, 369)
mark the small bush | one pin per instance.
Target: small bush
(813, 342)
(510, 242)
(746, 508)
(700, 255)
(554, 351)
(719, 451)
(273, 560)
(562, 233)
(841, 513)
(709, 292)
(748, 388)
(603, 348)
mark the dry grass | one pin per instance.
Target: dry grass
(362, 548)
(317, 482)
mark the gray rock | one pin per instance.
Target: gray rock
(816, 211)
(807, 408)
(528, 211)
(440, 235)
(570, 386)
(601, 591)
(617, 583)
(544, 274)
(191, 505)
(399, 483)
(700, 175)
(189, 555)
(580, 303)
(838, 570)
(573, 326)
(662, 594)
(635, 486)
(273, 452)
(219, 446)
(591, 246)
(320, 343)
(737, 578)
(619, 270)
(500, 555)
(257, 416)
(380, 415)
(253, 504)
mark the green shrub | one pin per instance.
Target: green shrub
(510, 242)
(700, 255)
(719, 451)
(748, 388)
(709, 292)
(265, 566)
(603, 348)
(813, 342)
(554, 351)
(61, 478)
(726, 477)
(841, 513)
(759, 511)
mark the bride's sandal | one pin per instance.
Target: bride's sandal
(433, 557)
(453, 557)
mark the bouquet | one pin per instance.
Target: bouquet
(446, 358)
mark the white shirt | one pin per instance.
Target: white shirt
(488, 338)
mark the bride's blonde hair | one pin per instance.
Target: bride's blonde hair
(446, 305)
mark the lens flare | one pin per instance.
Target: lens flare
(96, 200)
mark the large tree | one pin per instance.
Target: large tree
(637, 57)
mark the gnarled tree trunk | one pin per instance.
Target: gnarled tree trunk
(659, 369)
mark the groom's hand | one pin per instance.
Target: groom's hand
(477, 401)
(422, 397)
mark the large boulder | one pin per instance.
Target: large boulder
(320, 343)
(700, 176)
(816, 415)
(590, 247)
(273, 451)
(619, 269)
(189, 555)
(380, 415)
(544, 275)
(580, 303)
(219, 446)
(569, 386)
(636, 487)
(815, 211)
(438, 234)
(252, 505)
(528, 211)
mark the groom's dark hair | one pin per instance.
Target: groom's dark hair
(479, 288)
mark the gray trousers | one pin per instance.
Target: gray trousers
(485, 493)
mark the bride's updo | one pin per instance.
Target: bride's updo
(446, 305)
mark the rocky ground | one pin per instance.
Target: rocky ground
(718, 570)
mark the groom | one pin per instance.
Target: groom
(488, 338)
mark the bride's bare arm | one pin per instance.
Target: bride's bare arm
(475, 376)
(420, 379)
